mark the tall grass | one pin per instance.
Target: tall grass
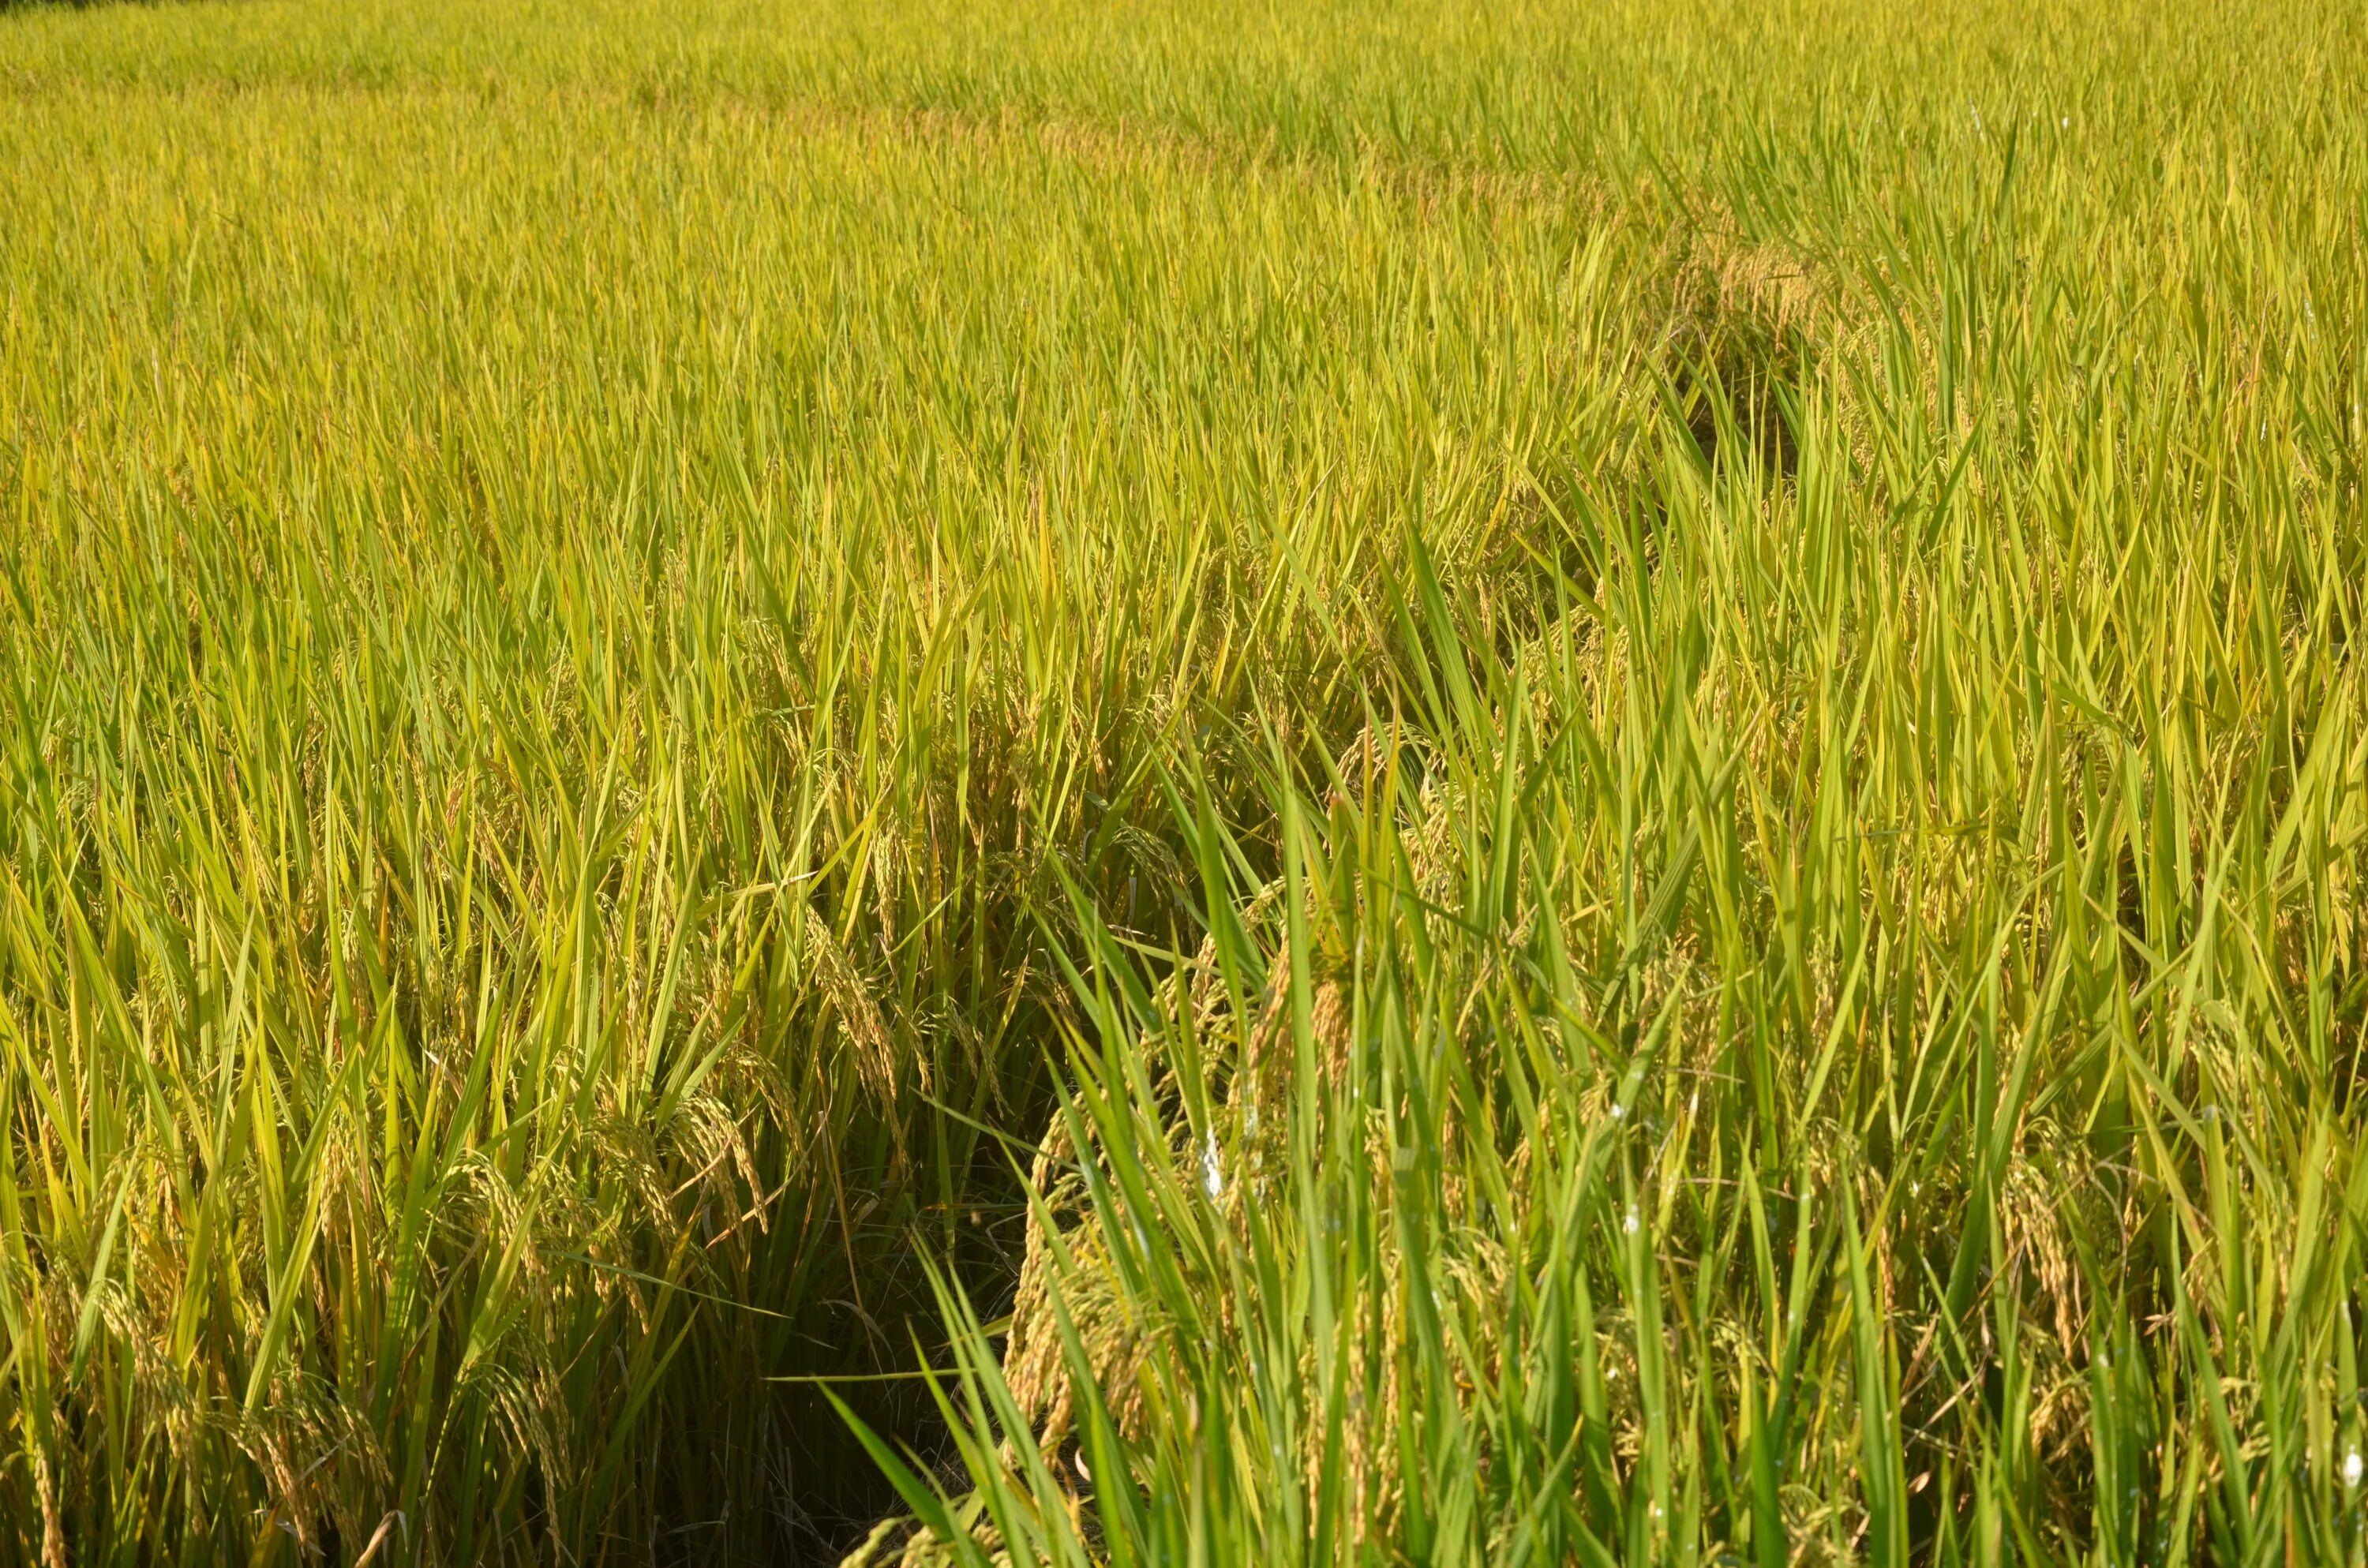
(1577, 786)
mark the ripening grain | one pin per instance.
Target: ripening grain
(1452, 784)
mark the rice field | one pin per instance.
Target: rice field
(1123, 782)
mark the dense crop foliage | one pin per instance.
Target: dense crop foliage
(1466, 783)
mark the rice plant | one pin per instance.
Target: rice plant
(1132, 784)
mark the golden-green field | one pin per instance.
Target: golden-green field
(1185, 782)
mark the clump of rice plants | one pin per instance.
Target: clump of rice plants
(1159, 783)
